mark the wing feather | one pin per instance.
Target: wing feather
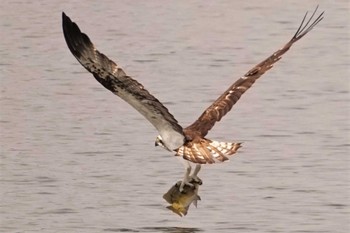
(112, 77)
(225, 102)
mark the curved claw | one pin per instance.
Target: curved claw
(183, 184)
(196, 180)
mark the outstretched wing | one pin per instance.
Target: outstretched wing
(112, 77)
(225, 102)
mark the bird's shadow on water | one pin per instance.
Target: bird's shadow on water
(157, 229)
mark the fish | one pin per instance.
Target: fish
(181, 201)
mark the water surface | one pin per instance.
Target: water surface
(75, 158)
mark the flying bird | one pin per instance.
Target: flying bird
(190, 143)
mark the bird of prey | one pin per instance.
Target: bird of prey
(190, 143)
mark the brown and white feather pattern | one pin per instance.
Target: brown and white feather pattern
(224, 103)
(115, 79)
(199, 129)
(190, 143)
(207, 151)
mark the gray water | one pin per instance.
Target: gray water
(75, 158)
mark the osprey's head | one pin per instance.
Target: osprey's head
(159, 142)
(169, 142)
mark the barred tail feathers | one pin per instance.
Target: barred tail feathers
(207, 151)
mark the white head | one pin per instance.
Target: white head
(159, 142)
(170, 140)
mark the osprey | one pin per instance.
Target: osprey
(189, 143)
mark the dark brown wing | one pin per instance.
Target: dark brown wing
(112, 77)
(225, 102)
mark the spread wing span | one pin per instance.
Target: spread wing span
(112, 77)
(225, 102)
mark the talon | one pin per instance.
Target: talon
(178, 184)
(183, 184)
(196, 180)
(182, 189)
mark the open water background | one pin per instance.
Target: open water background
(75, 158)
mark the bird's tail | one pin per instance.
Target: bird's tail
(207, 151)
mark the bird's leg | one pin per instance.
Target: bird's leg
(194, 177)
(186, 178)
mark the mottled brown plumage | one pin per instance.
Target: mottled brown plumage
(190, 143)
(224, 103)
